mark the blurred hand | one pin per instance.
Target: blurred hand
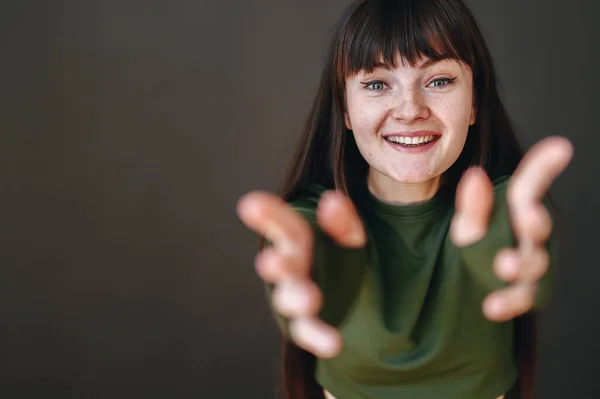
(525, 265)
(287, 263)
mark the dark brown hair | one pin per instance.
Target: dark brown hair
(372, 31)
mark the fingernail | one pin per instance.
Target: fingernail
(495, 306)
(327, 344)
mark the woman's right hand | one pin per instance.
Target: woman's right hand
(287, 263)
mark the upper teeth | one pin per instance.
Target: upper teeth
(410, 140)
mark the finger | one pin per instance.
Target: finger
(506, 264)
(474, 203)
(508, 303)
(338, 218)
(297, 298)
(532, 225)
(538, 169)
(534, 264)
(274, 219)
(271, 266)
(511, 264)
(316, 337)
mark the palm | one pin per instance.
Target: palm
(525, 265)
(287, 263)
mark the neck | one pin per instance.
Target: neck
(391, 191)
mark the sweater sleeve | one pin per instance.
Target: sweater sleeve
(338, 272)
(479, 257)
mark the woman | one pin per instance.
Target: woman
(411, 243)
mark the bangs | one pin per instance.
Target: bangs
(379, 31)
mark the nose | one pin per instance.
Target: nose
(409, 106)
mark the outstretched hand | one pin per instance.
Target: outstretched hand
(287, 263)
(525, 265)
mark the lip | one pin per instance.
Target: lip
(418, 133)
(419, 149)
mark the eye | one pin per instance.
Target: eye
(375, 85)
(441, 82)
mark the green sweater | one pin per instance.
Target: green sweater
(408, 304)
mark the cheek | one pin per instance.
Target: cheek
(366, 117)
(457, 115)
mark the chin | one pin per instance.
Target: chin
(414, 177)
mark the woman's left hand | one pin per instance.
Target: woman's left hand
(525, 265)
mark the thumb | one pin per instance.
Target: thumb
(338, 218)
(474, 203)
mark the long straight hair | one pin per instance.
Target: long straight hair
(375, 31)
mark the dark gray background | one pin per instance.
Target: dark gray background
(128, 129)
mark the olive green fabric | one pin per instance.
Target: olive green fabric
(408, 304)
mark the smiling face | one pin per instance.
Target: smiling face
(410, 123)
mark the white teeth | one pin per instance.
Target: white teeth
(410, 140)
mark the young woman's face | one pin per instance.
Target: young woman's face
(410, 123)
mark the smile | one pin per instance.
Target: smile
(411, 141)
